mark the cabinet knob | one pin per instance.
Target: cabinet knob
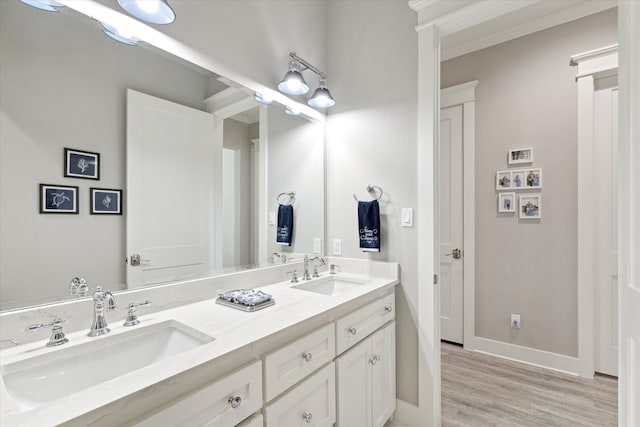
(307, 356)
(234, 401)
(307, 417)
(353, 331)
(387, 309)
(375, 359)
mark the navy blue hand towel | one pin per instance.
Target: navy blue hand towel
(369, 225)
(285, 225)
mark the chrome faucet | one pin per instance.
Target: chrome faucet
(100, 299)
(282, 256)
(78, 286)
(305, 273)
(315, 267)
(57, 334)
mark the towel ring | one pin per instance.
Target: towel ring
(372, 189)
(290, 194)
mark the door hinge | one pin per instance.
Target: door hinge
(435, 279)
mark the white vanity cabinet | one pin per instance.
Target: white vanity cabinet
(225, 402)
(310, 403)
(359, 324)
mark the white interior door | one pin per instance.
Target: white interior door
(170, 179)
(605, 128)
(451, 224)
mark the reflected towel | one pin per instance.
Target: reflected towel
(284, 233)
(369, 226)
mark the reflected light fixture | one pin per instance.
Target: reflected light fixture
(263, 99)
(151, 11)
(48, 5)
(119, 34)
(292, 110)
(293, 83)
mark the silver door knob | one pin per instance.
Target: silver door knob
(135, 260)
(307, 356)
(457, 253)
(234, 401)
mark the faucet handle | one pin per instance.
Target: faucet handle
(132, 317)
(78, 286)
(294, 276)
(332, 268)
(57, 334)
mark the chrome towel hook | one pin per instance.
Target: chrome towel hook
(291, 198)
(374, 190)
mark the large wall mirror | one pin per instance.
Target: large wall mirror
(65, 85)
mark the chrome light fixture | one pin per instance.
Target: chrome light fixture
(48, 5)
(119, 35)
(293, 83)
(263, 99)
(151, 11)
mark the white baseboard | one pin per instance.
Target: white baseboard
(406, 413)
(531, 356)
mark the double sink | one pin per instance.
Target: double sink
(42, 379)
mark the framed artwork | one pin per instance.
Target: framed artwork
(518, 179)
(60, 199)
(81, 164)
(503, 180)
(530, 206)
(520, 155)
(533, 178)
(105, 201)
(507, 202)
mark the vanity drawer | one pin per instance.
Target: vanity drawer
(311, 403)
(353, 327)
(222, 403)
(291, 363)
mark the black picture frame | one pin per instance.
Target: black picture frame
(105, 201)
(81, 164)
(58, 199)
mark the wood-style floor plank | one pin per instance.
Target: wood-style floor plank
(482, 390)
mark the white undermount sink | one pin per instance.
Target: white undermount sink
(42, 379)
(332, 285)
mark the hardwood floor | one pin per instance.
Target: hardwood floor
(481, 390)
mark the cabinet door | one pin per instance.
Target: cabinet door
(354, 386)
(311, 403)
(383, 374)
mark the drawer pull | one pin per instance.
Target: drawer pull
(307, 417)
(353, 331)
(234, 401)
(387, 309)
(307, 356)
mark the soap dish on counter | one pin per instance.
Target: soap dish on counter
(245, 299)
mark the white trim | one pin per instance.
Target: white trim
(560, 17)
(406, 413)
(465, 95)
(530, 356)
(590, 65)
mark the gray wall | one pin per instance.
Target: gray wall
(527, 97)
(63, 84)
(371, 135)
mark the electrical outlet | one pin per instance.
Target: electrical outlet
(515, 321)
(337, 247)
(317, 245)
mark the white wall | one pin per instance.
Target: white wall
(63, 84)
(527, 97)
(371, 137)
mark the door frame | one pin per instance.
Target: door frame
(465, 95)
(591, 66)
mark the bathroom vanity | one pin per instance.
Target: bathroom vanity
(323, 354)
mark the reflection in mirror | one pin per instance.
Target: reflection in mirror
(64, 84)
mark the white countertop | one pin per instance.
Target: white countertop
(232, 329)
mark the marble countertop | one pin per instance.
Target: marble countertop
(232, 329)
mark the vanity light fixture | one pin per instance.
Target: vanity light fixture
(292, 110)
(119, 34)
(263, 99)
(152, 11)
(293, 83)
(48, 5)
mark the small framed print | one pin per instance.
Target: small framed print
(533, 178)
(60, 199)
(503, 180)
(81, 164)
(518, 179)
(530, 206)
(105, 201)
(520, 155)
(507, 202)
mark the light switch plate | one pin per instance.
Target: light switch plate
(272, 218)
(317, 245)
(407, 217)
(337, 247)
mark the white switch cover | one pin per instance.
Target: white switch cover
(337, 247)
(272, 218)
(317, 245)
(407, 217)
